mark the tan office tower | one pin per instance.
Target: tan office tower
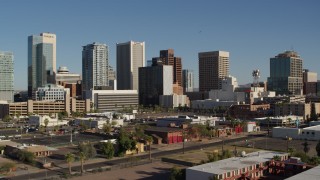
(213, 68)
(130, 56)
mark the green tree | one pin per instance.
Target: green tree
(277, 158)
(291, 151)
(69, 158)
(302, 156)
(18, 116)
(149, 139)
(87, 149)
(106, 128)
(26, 156)
(82, 157)
(318, 148)
(289, 121)
(315, 160)
(226, 154)
(314, 117)
(6, 118)
(177, 174)
(107, 149)
(125, 143)
(90, 123)
(213, 157)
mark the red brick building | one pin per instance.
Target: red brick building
(168, 135)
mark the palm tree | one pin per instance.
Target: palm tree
(268, 121)
(149, 140)
(289, 121)
(82, 157)
(69, 158)
(46, 122)
(90, 121)
(306, 147)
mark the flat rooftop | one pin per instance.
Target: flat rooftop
(311, 174)
(315, 128)
(235, 163)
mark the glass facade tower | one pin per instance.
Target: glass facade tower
(6, 76)
(41, 61)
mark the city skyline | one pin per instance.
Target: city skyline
(251, 31)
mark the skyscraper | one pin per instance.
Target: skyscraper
(167, 58)
(187, 80)
(41, 61)
(6, 76)
(213, 68)
(130, 56)
(154, 81)
(286, 73)
(95, 66)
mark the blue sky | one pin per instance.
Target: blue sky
(252, 31)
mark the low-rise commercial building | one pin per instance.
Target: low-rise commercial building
(44, 107)
(297, 108)
(113, 100)
(174, 100)
(94, 122)
(37, 150)
(309, 133)
(253, 166)
(38, 120)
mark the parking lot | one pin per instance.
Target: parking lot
(279, 144)
(59, 140)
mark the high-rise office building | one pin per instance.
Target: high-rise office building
(213, 68)
(6, 76)
(154, 81)
(41, 61)
(130, 56)
(167, 58)
(187, 80)
(286, 73)
(95, 66)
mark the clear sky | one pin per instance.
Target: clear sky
(252, 31)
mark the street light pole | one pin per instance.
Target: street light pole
(71, 137)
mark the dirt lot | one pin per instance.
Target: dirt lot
(154, 171)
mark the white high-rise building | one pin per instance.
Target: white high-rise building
(130, 56)
(95, 63)
(6, 76)
(41, 61)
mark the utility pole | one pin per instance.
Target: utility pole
(71, 136)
